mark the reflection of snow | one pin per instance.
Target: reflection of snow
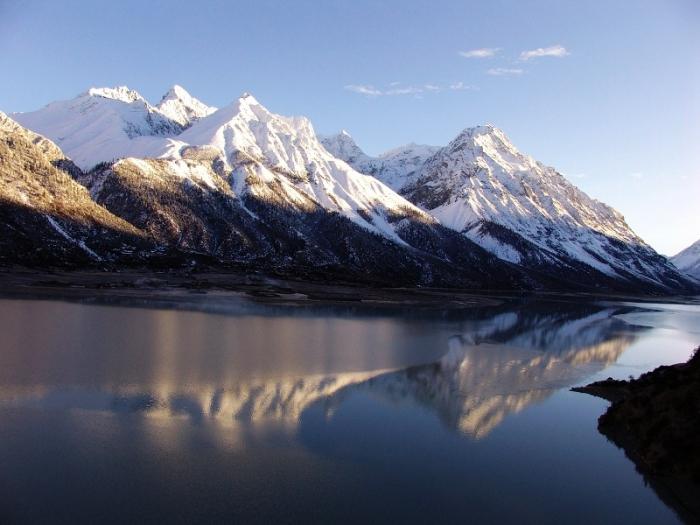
(473, 388)
(507, 362)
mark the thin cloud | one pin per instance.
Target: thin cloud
(369, 91)
(460, 86)
(636, 175)
(396, 89)
(504, 71)
(557, 51)
(484, 52)
(408, 90)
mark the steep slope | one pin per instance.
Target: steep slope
(688, 260)
(529, 214)
(104, 124)
(178, 105)
(46, 217)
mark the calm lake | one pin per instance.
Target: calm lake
(218, 408)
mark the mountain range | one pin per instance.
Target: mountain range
(107, 179)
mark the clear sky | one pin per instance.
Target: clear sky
(608, 92)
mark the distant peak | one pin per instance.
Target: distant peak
(178, 105)
(341, 137)
(485, 132)
(483, 129)
(122, 93)
(177, 92)
(248, 98)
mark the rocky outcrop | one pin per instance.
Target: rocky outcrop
(655, 419)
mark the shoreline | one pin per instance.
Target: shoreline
(655, 420)
(263, 288)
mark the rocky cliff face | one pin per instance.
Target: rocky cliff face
(49, 218)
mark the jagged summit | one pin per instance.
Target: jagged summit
(182, 107)
(176, 91)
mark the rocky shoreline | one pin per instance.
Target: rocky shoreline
(655, 419)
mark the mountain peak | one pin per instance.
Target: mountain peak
(491, 141)
(178, 105)
(483, 130)
(176, 92)
(121, 93)
(248, 99)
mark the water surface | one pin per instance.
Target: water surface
(239, 411)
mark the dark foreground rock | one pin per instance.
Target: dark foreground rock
(656, 420)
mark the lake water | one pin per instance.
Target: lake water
(221, 409)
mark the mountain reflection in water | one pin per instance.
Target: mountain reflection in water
(501, 362)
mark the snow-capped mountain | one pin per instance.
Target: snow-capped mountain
(688, 260)
(274, 157)
(396, 168)
(103, 124)
(519, 209)
(246, 186)
(178, 105)
(280, 159)
(243, 185)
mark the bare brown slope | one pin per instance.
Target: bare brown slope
(48, 217)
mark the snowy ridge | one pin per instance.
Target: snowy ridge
(688, 260)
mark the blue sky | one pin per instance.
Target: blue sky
(610, 96)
